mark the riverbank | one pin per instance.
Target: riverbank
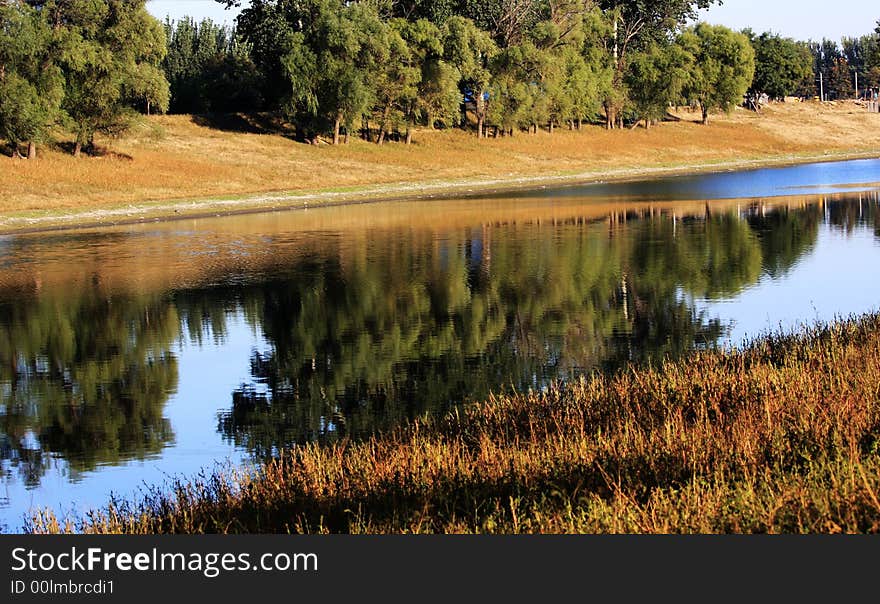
(780, 437)
(182, 166)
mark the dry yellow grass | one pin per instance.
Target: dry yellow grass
(174, 157)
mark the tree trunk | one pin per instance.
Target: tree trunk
(551, 126)
(705, 116)
(336, 127)
(345, 140)
(16, 153)
(383, 127)
(408, 134)
(609, 117)
(32, 150)
(480, 123)
(148, 107)
(77, 149)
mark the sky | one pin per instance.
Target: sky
(800, 19)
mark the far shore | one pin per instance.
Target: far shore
(175, 167)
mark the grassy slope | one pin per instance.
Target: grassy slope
(781, 437)
(174, 157)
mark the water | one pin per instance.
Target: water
(133, 354)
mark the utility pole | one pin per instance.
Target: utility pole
(857, 83)
(821, 87)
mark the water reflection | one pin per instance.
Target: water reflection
(362, 338)
(360, 326)
(85, 376)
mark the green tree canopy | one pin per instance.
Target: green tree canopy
(332, 64)
(723, 67)
(114, 51)
(209, 69)
(470, 51)
(656, 79)
(31, 80)
(782, 65)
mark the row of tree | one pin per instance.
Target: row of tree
(209, 69)
(850, 68)
(333, 66)
(786, 67)
(378, 68)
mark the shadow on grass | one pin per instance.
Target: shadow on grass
(95, 151)
(241, 123)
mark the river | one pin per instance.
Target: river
(136, 354)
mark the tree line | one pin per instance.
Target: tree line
(826, 69)
(380, 68)
(853, 62)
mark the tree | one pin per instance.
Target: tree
(31, 81)
(146, 86)
(438, 97)
(723, 67)
(631, 26)
(331, 65)
(115, 51)
(872, 59)
(518, 94)
(435, 11)
(396, 83)
(781, 65)
(469, 50)
(656, 79)
(230, 81)
(840, 79)
(832, 69)
(266, 26)
(507, 21)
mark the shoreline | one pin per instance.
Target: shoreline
(162, 211)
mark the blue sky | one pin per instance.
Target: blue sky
(802, 19)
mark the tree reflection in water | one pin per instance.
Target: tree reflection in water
(366, 330)
(394, 329)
